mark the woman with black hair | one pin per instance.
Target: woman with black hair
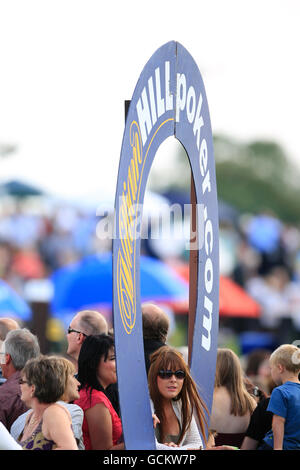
(102, 427)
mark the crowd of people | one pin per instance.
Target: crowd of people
(71, 402)
(263, 258)
(50, 237)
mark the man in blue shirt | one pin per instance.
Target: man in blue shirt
(285, 400)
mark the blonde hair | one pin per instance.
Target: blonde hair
(288, 355)
(229, 374)
(67, 368)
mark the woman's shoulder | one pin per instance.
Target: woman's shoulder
(56, 411)
(91, 397)
(221, 394)
(98, 395)
(221, 390)
(73, 408)
(88, 391)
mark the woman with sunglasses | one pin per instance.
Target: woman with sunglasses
(175, 401)
(102, 427)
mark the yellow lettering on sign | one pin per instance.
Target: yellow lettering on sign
(127, 224)
(127, 228)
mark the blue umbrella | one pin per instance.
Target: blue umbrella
(88, 283)
(12, 304)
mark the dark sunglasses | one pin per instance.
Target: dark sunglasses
(71, 330)
(167, 374)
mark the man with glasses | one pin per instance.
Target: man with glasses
(83, 324)
(19, 346)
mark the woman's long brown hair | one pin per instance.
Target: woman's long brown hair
(168, 358)
(229, 374)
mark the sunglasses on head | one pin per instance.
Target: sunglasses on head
(167, 374)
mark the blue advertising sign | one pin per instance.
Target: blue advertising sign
(169, 100)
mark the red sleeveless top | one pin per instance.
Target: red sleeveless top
(88, 400)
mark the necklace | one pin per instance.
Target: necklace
(30, 427)
(33, 421)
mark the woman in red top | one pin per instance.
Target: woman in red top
(102, 427)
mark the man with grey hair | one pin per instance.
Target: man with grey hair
(19, 346)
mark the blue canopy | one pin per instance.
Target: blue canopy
(88, 283)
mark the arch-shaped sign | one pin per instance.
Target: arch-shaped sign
(169, 99)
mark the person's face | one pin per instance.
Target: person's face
(264, 370)
(276, 370)
(75, 338)
(27, 391)
(107, 369)
(2, 353)
(169, 388)
(72, 392)
(3, 360)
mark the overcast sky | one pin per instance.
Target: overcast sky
(68, 65)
